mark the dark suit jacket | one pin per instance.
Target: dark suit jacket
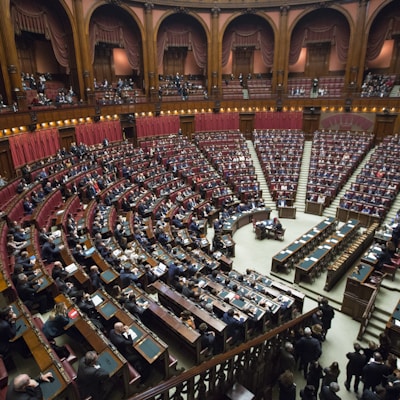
(7, 332)
(90, 380)
(30, 393)
(327, 394)
(356, 363)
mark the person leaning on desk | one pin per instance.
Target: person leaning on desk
(92, 379)
(23, 387)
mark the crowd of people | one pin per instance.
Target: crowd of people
(182, 276)
(377, 85)
(370, 371)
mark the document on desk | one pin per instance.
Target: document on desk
(71, 268)
(89, 252)
(96, 299)
(314, 259)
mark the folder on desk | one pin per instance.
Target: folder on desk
(71, 268)
(56, 234)
(89, 252)
(96, 299)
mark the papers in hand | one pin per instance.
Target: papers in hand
(131, 334)
(56, 234)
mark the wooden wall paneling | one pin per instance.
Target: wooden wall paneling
(7, 169)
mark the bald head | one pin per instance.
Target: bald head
(119, 327)
(21, 382)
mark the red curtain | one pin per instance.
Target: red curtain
(29, 147)
(94, 133)
(216, 122)
(157, 126)
(278, 120)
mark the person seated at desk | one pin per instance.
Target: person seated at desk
(188, 289)
(28, 206)
(20, 234)
(119, 234)
(78, 254)
(218, 226)
(22, 186)
(242, 208)
(95, 278)
(194, 227)
(86, 305)
(176, 222)
(13, 247)
(281, 202)
(51, 252)
(207, 339)
(218, 243)
(8, 330)
(386, 256)
(121, 336)
(128, 300)
(28, 263)
(43, 236)
(187, 318)
(93, 380)
(276, 225)
(56, 322)
(235, 326)
(23, 387)
(129, 276)
(174, 271)
(29, 293)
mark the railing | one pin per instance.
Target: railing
(253, 364)
(368, 311)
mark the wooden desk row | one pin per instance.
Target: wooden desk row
(347, 258)
(393, 330)
(289, 256)
(344, 214)
(238, 220)
(361, 285)
(175, 301)
(313, 264)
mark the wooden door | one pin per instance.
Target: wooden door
(243, 61)
(26, 55)
(187, 125)
(67, 137)
(246, 124)
(317, 59)
(103, 64)
(7, 169)
(174, 60)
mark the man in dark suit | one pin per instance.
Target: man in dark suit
(7, 329)
(92, 379)
(354, 366)
(328, 313)
(235, 326)
(51, 252)
(23, 387)
(329, 392)
(374, 372)
(308, 349)
(122, 338)
(29, 293)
